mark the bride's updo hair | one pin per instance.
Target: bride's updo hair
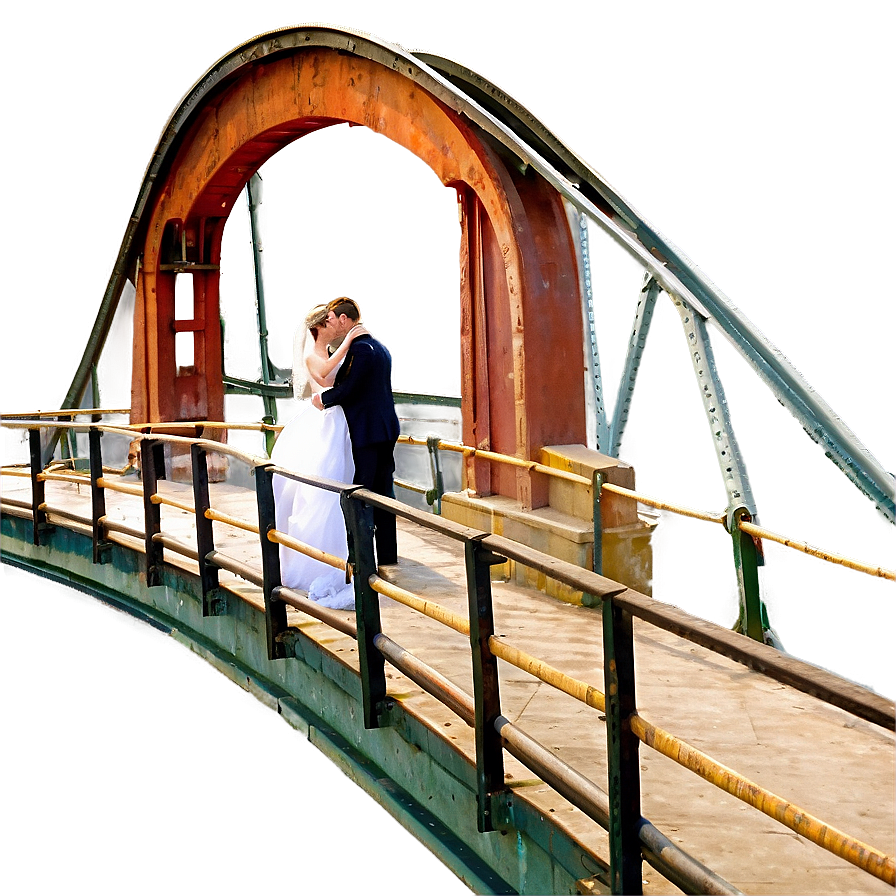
(315, 317)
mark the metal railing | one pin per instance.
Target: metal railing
(740, 527)
(746, 537)
(617, 809)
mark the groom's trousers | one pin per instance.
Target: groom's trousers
(374, 469)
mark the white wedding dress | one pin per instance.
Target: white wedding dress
(314, 443)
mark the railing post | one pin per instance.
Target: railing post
(597, 560)
(205, 539)
(66, 452)
(622, 750)
(489, 751)
(94, 390)
(97, 497)
(274, 609)
(152, 464)
(269, 435)
(38, 488)
(747, 560)
(434, 495)
(597, 552)
(359, 522)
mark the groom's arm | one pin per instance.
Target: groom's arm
(360, 367)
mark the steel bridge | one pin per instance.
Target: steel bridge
(526, 202)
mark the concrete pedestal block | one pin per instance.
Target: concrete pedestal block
(564, 529)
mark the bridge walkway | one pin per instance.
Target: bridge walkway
(831, 764)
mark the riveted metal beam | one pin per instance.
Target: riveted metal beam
(712, 394)
(636, 343)
(592, 355)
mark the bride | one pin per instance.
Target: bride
(315, 443)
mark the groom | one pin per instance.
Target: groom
(364, 389)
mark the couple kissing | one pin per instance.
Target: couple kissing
(346, 432)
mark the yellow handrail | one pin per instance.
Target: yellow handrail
(791, 816)
(662, 505)
(759, 532)
(308, 550)
(134, 431)
(852, 850)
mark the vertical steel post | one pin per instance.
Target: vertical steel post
(97, 497)
(434, 495)
(38, 488)
(269, 435)
(274, 610)
(747, 560)
(94, 386)
(152, 463)
(489, 752)
(359, 522)
(65, 446)
(205, 539)
(636, 343)
(254, 198)
(592, 358)
(597, 562)
(622, 750)
(732, 467)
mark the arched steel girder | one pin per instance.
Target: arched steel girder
(678, 276)
(512, 129)
(518, 258)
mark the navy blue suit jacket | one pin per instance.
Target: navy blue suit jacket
(363, 387)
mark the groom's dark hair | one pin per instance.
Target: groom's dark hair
(346, 306)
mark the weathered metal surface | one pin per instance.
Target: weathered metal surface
(486, 689)
(715, 405)
(205, 538)
(275, 610)
(360, 526)
(622, 750)
(640, 328)
(152, 464)
(521, 266)
(592, 354)
(97, 497)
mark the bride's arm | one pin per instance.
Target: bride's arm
(322, 370)
(336, 358)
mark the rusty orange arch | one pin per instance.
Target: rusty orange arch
(522, 364)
